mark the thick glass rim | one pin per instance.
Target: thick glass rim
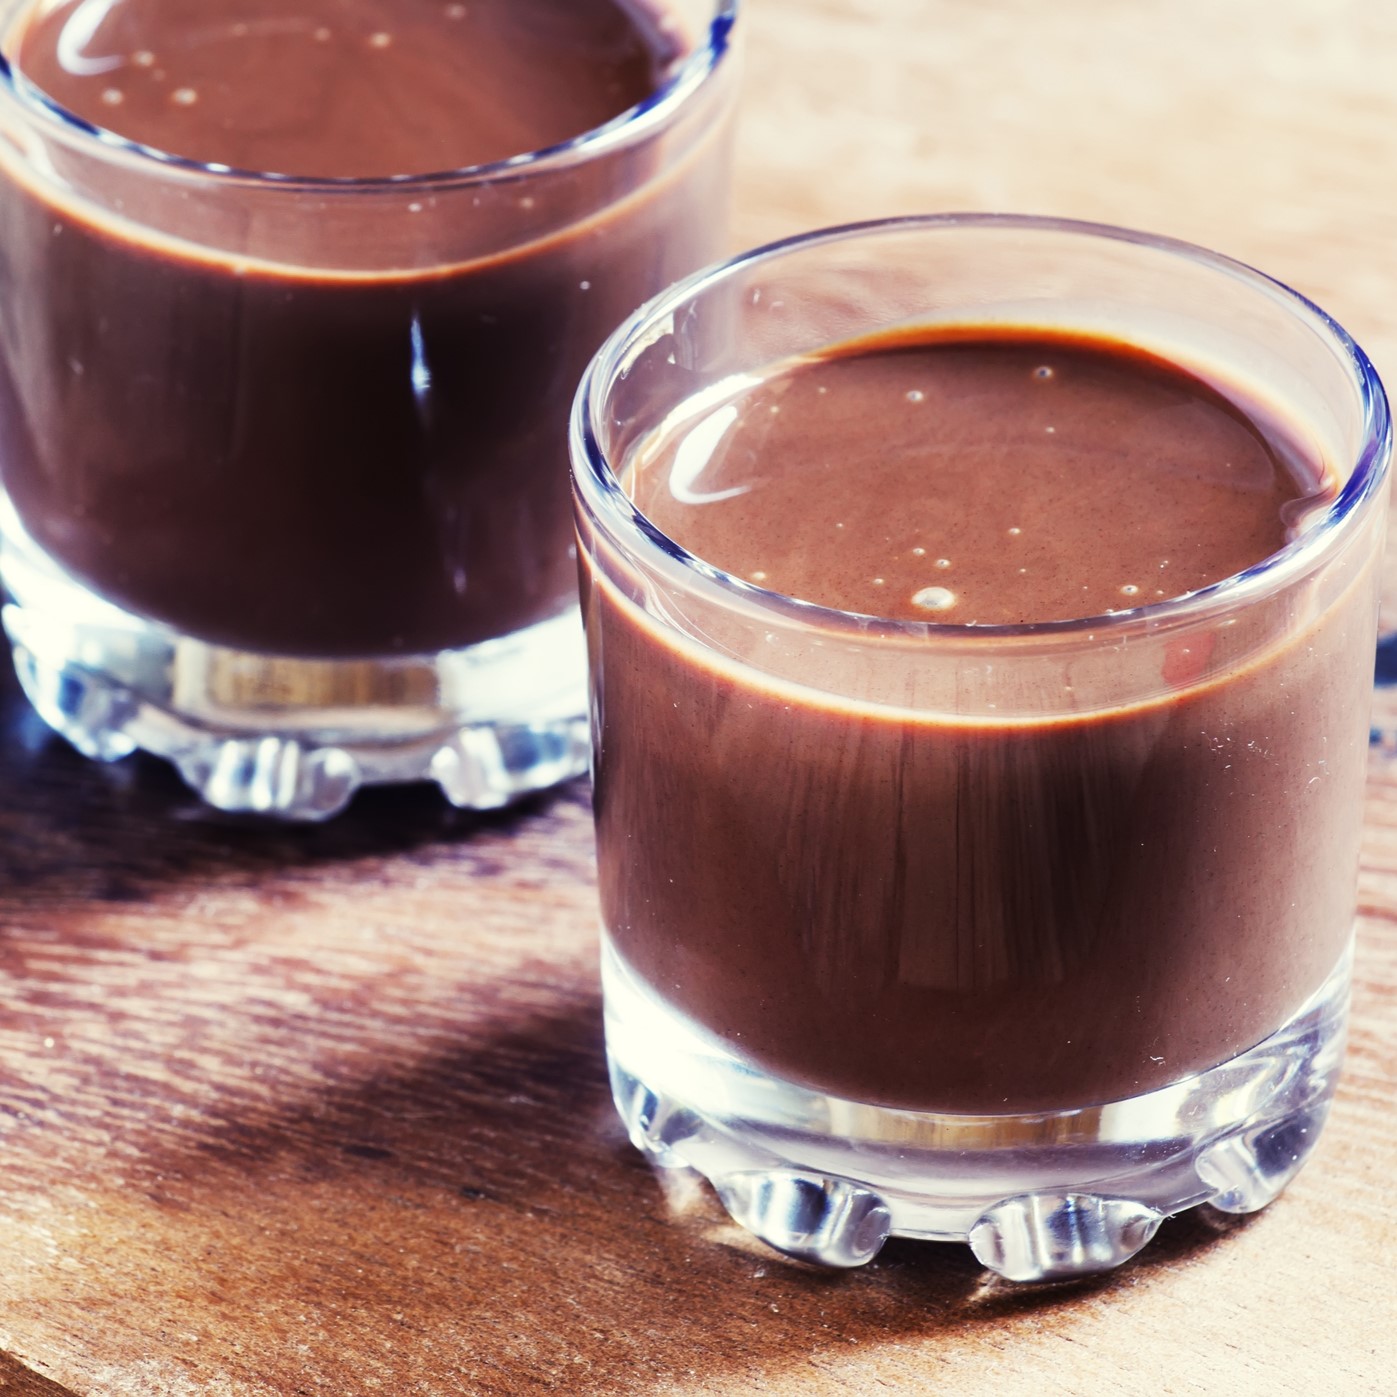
(630, 126)
(607, 505)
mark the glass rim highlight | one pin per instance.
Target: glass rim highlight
(607, 506)
(693, 75)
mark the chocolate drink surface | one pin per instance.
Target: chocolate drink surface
(899, 906)
(349, 88)
(354, 445)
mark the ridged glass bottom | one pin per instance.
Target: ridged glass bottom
(1037, 1197)
(288, 737)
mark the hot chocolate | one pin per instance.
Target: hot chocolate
(350, 88)
(327, 419)
(879, 899)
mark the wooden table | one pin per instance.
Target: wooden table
(324, 1111)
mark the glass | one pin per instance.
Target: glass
(284, 460)
(1135, 1000)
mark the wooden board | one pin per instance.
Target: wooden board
(324, 1111)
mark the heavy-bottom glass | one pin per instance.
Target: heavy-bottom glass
(284, 459)
(293, 738)
(1039, 1195)
(1095, 967)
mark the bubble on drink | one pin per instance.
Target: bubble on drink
(934, 599)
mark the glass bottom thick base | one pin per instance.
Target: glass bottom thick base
(287, 737)
(1040, 1197)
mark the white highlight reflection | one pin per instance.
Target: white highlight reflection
(78, 33)
(694, 454)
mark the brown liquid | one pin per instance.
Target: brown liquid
(346, 87)
(981, 915)
(982, 481)
(335, 462)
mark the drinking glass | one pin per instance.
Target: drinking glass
(284, 459)
(1095, 970)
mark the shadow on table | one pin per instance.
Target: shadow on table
(478, 1214)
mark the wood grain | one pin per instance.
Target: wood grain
(324, 1111)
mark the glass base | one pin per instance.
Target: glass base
(1039, 1197)
(288, 737)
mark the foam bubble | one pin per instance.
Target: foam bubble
(934, 598)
